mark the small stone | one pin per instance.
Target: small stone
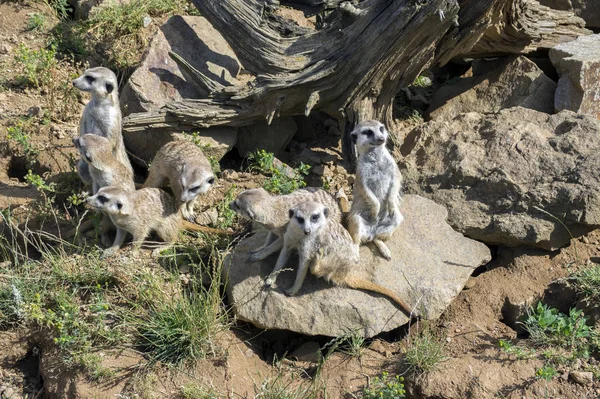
(309, 156)
(229, 174)
(5, 48)
(585, 240)
(351, 179)
(184, 269)
(249, 353)
(319, 170)
(207, 218)
(582, 377)
(184, 279)
(340, 170)
(9, 393)
(147, 21)
(330, 123)
(308, 352)
(33, 111)
(457, 331)
(448, 339)
(328, 158)
(334, 131)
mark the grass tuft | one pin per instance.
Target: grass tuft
(424, 353)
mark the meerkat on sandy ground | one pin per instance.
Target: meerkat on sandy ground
(187, 170)
(105, 170)
(325, 247)
(375, 211)
(141, 212)
(102, 114)
(271, 212)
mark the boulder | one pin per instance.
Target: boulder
(159, 80)
(430, 265)
(262, 136)
(495, 85)
(588, 10)
(215, 141)
(578, 64)
(511, 178)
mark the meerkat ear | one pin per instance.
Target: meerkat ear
(291, 213)
(109, 88)
(326, 212)
(382, 128)
(76, 142)
(354, 137)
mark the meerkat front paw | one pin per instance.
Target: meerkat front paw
(105, 240)
(109, 252)
(269, 281)
(187, 215)
(292, 291)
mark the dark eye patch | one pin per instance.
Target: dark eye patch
(211, 180)
(368, 133)
(381, 128)
(90, 79)
(300, 220)
(102, 199)
(195, 188)
(315, 217)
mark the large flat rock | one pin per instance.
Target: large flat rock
(578, 64)
(517, 177)
(431, 263)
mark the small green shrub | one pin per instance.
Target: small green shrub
(586, 282)
(546, 373)
(227, 216)
(547, 326)
(422, 81)
(281, 179)
(34, 67)
(36, 22)
(424, 352)
(193, 391)
(384, 387)
(61, 8)
(519, 351)
(20, 136)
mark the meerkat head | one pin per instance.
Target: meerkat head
(195, 181)
(369, 134)
(110, 199)
(99, 81)
(92, 147)
(308, 216)
(244, 203)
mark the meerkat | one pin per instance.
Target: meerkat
(271, 212)
(187, 170)
(102, 114)
(105, 169)
(325, 247)
(375, 211)
(140, 212)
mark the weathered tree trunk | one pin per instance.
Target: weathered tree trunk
(351, 69)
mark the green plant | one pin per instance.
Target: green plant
(61, 8)
(39, 183)
(280, 387)
(422, 81)
(34, 67)
(227, 216)
(282, 179)
(193, 391)
(18, 134)
(11, 304)
(36, 22)
(519, 351)
(547, 326)
(586, 281)
(546, 373)
(424, 352)
(353, 343)
(384, 387)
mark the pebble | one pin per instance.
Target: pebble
(147, 21)
(350, 179)
(9, 393)
(229, 174)
(582, 377)
(5, 48)
(319, 170)
(33, 111)
(585, 240)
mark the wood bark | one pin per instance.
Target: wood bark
(352, 68)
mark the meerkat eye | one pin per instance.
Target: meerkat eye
(90, 79)
(314, 218)
(300, 220)
(102, 199)
(195, 188)
(381, 128)
(211, 180)
(119, 205)
(368, 133)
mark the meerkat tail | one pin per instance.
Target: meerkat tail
(189, 226)
(358, 283)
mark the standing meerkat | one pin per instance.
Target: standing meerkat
(141, 212)
(325, 247)
(271, 212)
(102, 114)
(375, 211)
(187, 170)
(105, 169)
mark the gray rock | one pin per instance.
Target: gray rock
(272, 138)
(159, 80)
(427, 254)
(582, 377)
(307, 352)
(495, 85)
(215, 141)
(495, 172)
(578, 64)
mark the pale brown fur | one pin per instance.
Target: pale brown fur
(271, 212)
(141, 212)
(326, 248)
(189, 173)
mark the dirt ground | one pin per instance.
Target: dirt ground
(482, 314)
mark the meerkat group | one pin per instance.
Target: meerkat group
(308, 220)
(105, 166)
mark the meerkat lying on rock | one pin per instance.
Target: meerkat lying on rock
(102, 114)
(325, 247)
(140, 212)
(375, 211)
(187, 170)
(271, 212)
